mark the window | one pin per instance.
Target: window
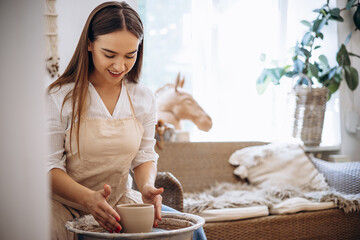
(216, 45)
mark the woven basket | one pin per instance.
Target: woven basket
(309, 114)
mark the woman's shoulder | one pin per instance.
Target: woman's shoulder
(58, 93)
(62, 90)
(142, 97)
(140, 90)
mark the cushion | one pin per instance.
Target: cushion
(297, 204)
(342, 176)
(277, 164)
(228, 214)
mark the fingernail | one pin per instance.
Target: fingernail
(160, 219)
(156, 225)
(110, 231)
(117, 231)
(119, 228)
(117, 219)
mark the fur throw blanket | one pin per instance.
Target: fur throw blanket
(274, 173)
(228, 195)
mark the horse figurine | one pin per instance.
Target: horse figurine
(175, 104)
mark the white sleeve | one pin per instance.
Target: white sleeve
(55, 135)
(146, 151)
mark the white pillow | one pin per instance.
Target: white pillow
(228, 214)
(277, 164)
(297, 204)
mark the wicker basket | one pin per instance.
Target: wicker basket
(310, 106)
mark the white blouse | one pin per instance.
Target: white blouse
(145, 110)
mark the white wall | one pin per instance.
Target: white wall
(71, 20)
(23, 178)
(350, 143)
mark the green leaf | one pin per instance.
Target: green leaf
(333, 86)
(335, 12)
(302, 80)
(270, 75)
(323, 22)
(297, 50)
(314, 70)
(320, 35)
(275, 75)
(323, 61)
(327, 76)
(342, 57)
(350, 3)
(307, 38)
(306, 23)
(320, 23)
(323, 78)
(329, 96)
(317, 10)
(351, 77)
(332, 72)
(338, 77)
(262, 82)
(338, 18)
(298, 65)
(316, 47)
(291, 74)
(356, 17)
(305, 52)
(316, 25)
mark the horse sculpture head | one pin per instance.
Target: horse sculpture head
(175, 104)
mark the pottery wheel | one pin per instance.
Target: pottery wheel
(172, 226)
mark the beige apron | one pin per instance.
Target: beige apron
(107, 148)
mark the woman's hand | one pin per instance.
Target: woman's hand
(150, 194)
(98, 206)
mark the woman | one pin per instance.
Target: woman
(101, 124)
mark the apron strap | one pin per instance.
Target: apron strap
(131, 105)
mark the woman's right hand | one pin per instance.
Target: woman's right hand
(103, 213)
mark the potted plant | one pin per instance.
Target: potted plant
(307, 70)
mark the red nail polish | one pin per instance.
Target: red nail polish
(117, 231)
(119, 228)
(156, 225)
(117, 219)
(110, 231)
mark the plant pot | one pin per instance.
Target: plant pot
(310, 106)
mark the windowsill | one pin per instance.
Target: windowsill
(323, 148)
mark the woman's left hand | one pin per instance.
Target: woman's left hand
(150, 194)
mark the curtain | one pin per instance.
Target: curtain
(219, 47)
(229, 38)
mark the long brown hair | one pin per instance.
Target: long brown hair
(106, 18)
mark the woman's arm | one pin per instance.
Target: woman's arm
(63, 185)
(95, 201)
(145, 175)
(144, 163)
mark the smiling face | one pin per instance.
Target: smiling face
(113, 54)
